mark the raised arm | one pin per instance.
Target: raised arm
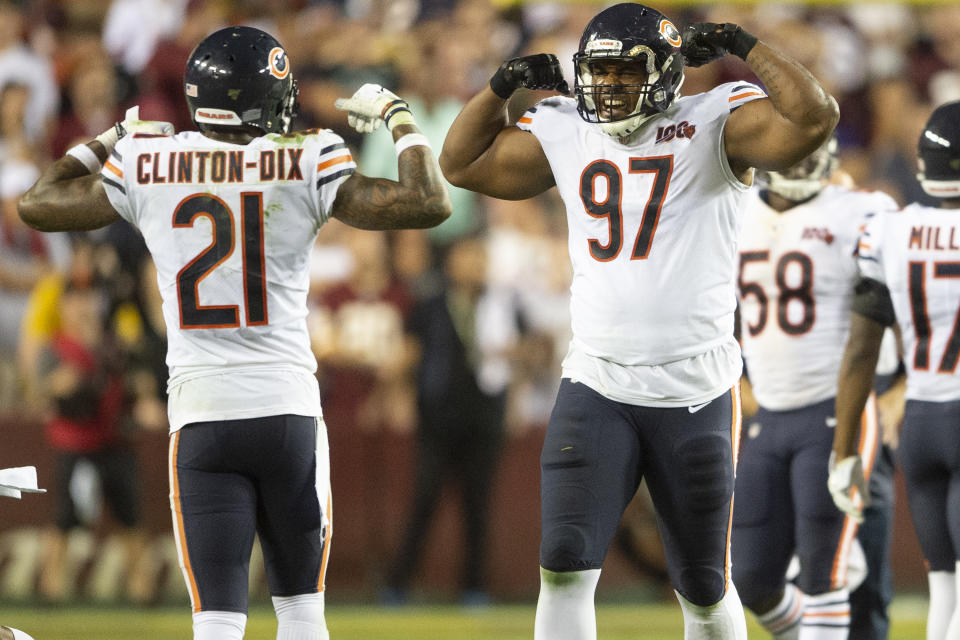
(771, 134)
(483, 152)
(69, 196)
(418, 198)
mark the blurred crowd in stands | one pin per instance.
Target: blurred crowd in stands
(80, 312)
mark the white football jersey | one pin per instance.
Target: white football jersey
(653, 228)
(916, 253)
(798, 269)
(231, 228)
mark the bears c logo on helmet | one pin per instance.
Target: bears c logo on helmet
(279, 66)
(670, 32)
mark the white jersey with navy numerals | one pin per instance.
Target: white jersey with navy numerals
(798, 269)
(653, 228)
(916, 253)
(230, 229)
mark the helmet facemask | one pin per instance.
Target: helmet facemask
(649, 97)
(807, 178)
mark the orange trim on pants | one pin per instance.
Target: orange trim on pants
(179, 533)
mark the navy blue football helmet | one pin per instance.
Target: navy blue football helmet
(241, 76)
(939, 152)
(637, 38)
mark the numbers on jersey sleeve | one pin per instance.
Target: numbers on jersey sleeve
(786, 292)
(193, 315)
(921, 320)
(611, 206)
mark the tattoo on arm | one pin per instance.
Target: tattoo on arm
(417, 200)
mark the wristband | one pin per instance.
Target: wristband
(411, 140)
(742, 43)
(500, 86)
(86, 156)
(396, 113)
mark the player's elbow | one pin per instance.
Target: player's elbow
(451, 169)
(437, 209)
(31, 211)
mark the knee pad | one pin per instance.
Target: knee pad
(702, 586)
(564, 548)
(707, 465)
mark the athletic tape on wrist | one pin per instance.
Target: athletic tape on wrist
(109, 137)
(411, 140)
(86, 155)
(396, 113)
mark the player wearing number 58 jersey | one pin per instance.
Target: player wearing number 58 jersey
(230, 214)
(652, 183)
(796, 281)
(910, 274)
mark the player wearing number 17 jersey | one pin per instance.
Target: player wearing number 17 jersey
(797, 275)
(652, 183)
(230, 214)
(910, 274)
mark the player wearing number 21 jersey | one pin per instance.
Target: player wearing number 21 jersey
(230, 214)
(653, 184)
(910, 275)
(797, 275)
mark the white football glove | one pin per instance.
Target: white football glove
(370, 105)
(847, 485)
(133, 124)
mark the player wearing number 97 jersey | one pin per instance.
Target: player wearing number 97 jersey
(910, 274)
(652, 183)
(230, 214)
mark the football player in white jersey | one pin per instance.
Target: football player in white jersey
(653, 185)
(910, 274)
(229, 214)
(797, 274)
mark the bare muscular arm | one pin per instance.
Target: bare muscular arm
(855, 381)
(67, 197)
(485, 154)
(417, 199)
(777, 133)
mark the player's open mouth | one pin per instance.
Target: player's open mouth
(613, 107)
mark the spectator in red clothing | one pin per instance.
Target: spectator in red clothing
(82, 378)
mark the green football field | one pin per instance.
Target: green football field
(506, 622)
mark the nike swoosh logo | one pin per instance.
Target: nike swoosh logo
(696, 407)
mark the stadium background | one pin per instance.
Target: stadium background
(887, 63)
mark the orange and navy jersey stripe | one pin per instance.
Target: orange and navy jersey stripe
(744, 93)
(112, 172)
(334, 161)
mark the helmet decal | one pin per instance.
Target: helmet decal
(279, 65)
(670, 33)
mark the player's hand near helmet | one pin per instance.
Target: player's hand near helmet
(705, 42)
(371, 105)
(847, 485)
(133, 124)
(538, 71)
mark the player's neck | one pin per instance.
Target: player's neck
(240, 136)
(950, 203)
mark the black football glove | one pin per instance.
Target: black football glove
(704, 42)
(539, 71)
